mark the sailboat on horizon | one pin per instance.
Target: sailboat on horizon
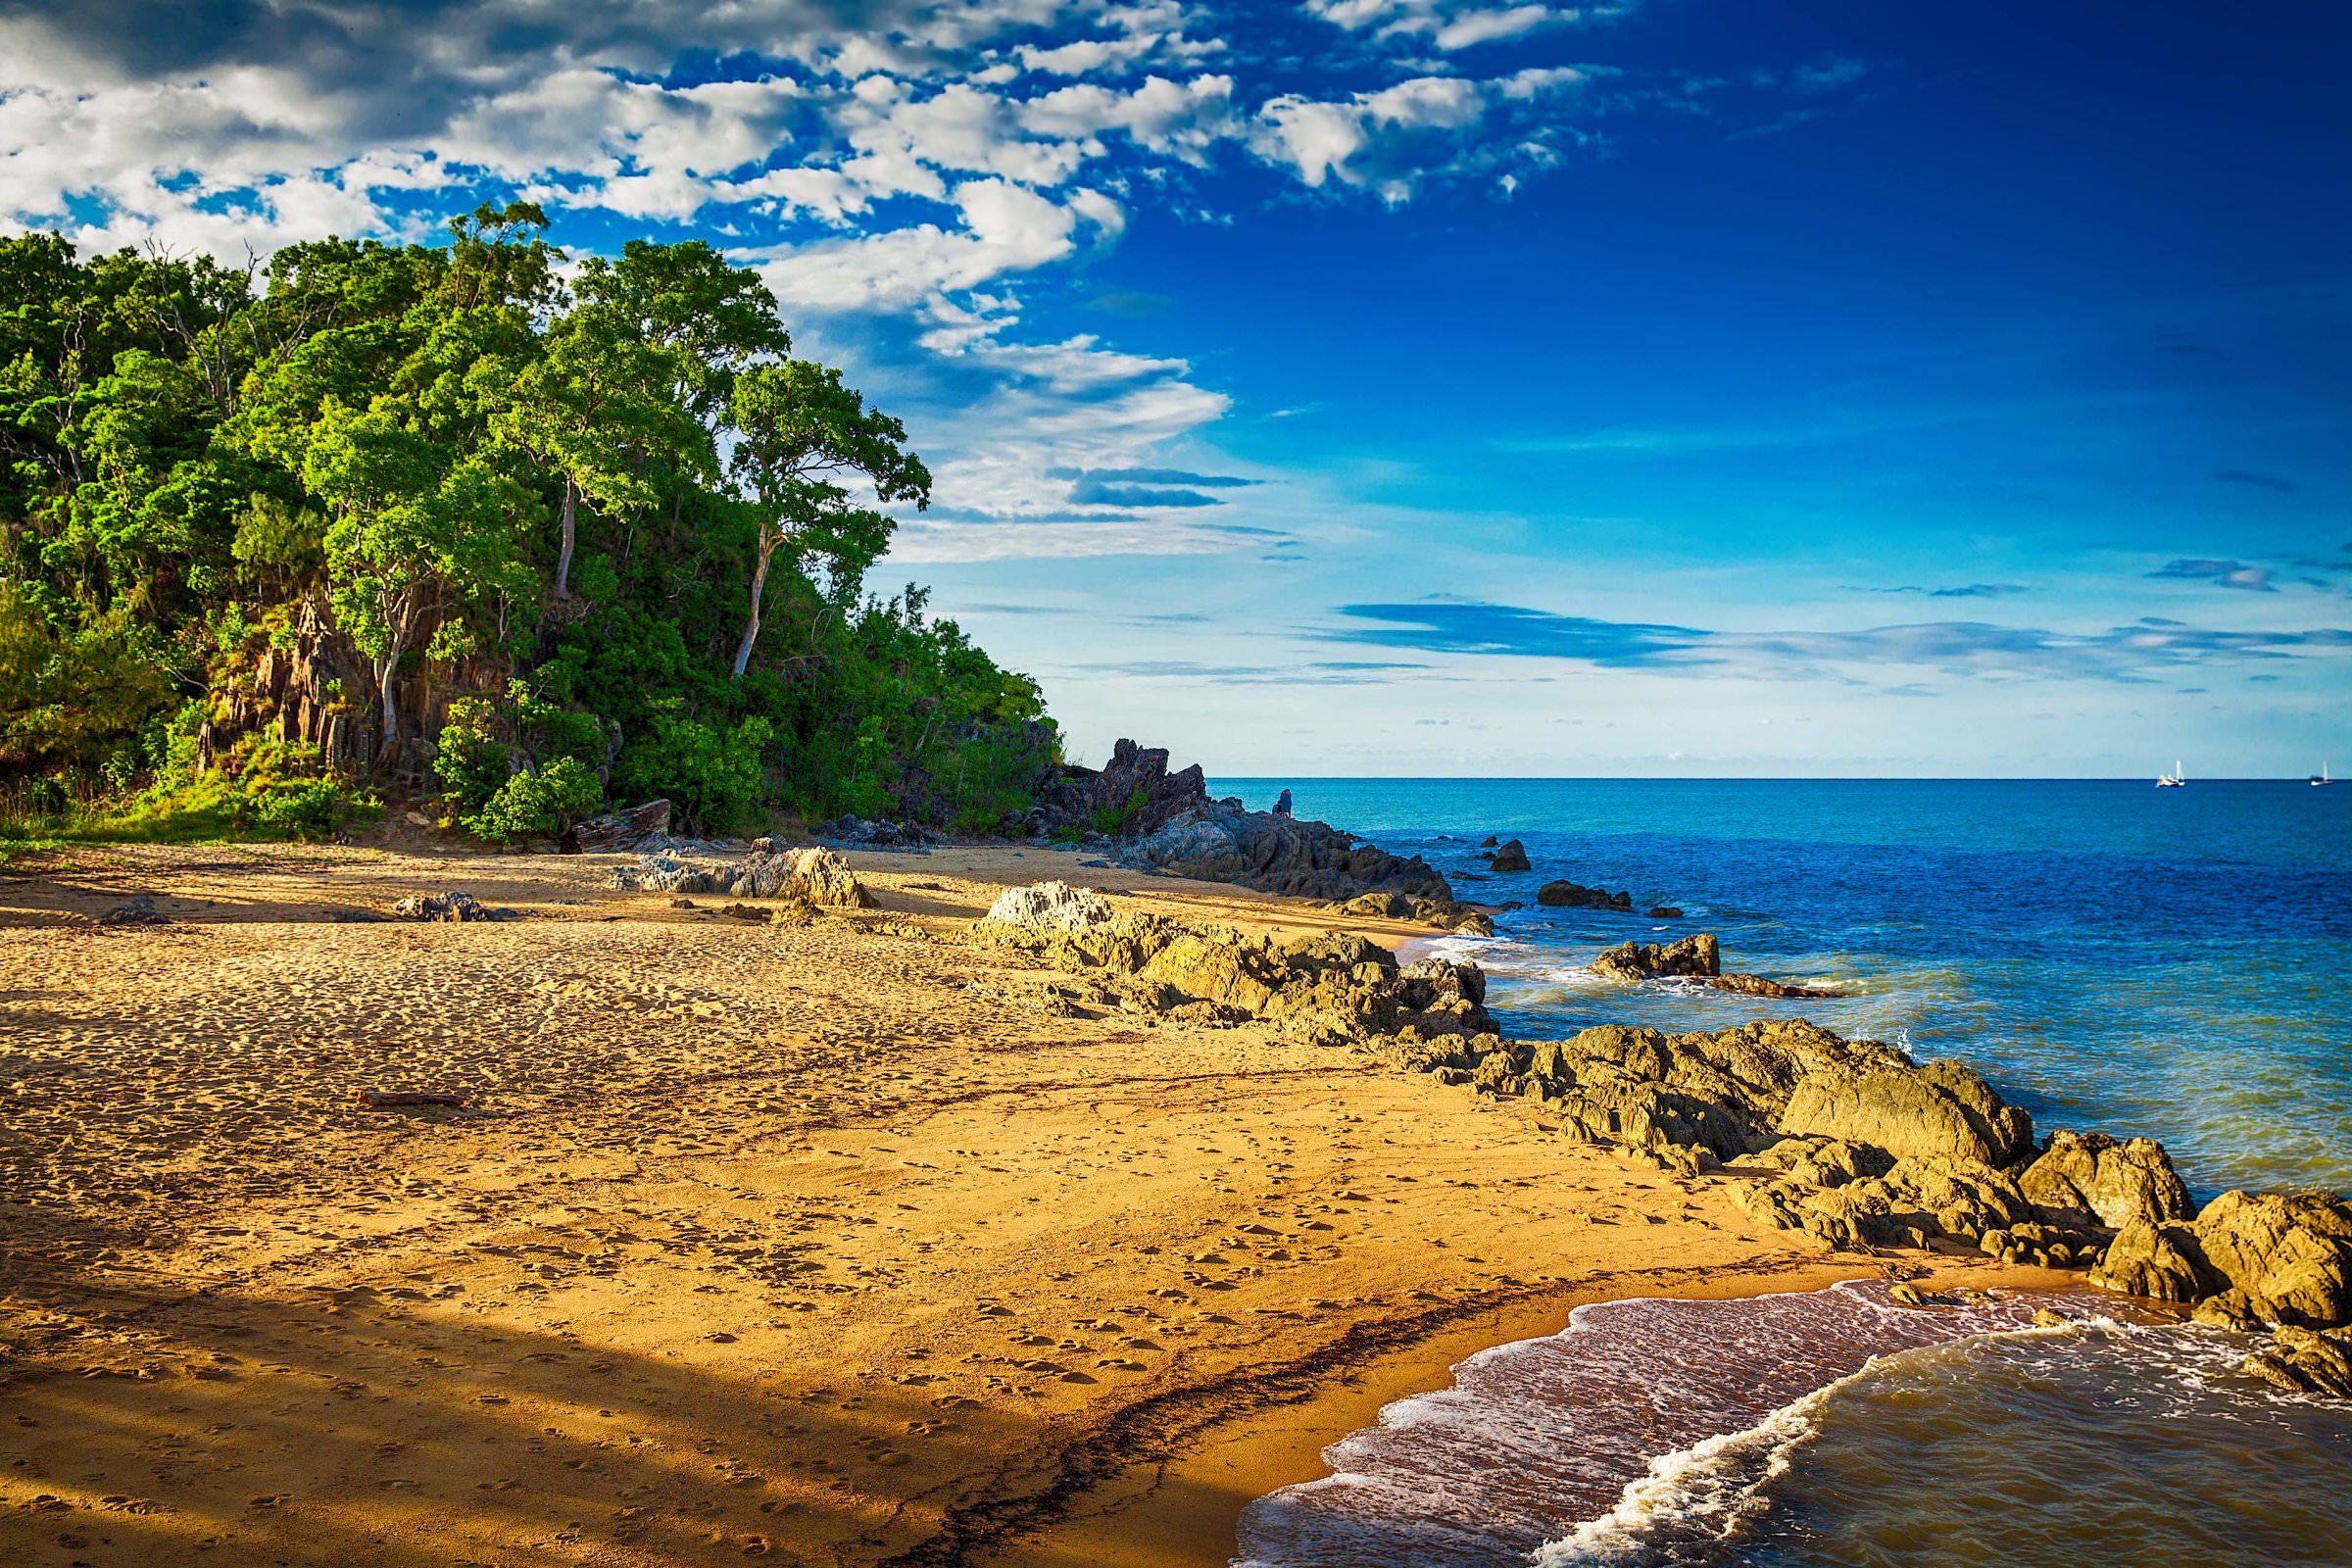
(2322, 777)
(2178, 778)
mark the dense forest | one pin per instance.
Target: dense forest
(473, 522)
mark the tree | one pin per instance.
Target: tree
(414, 539)
(799, 435)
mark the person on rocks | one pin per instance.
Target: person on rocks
(1282, 803)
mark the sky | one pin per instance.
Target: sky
(1436, 387)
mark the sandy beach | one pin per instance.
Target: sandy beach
(843, 1244)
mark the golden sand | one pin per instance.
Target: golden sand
(835, 1243)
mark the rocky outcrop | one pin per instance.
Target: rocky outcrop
(1575, 896)
(1050, 907)
(1460, 918)
(2257, 1257)
(813, 876)
(1132, 795)
(1509, 856)
(1325, 989)
(2090, 1179)
(1219, 842)
(2303, 1361)
(1941, 1109)
(1694, 957)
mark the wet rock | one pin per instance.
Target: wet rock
(1511, 856)
(1575, 896)
(2289, 1253)
(1693, 956)
(1665, 911)
(2090, 1179)
(2303, 1361)
(2155, 1260)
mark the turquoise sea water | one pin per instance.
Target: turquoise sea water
(2162, 961)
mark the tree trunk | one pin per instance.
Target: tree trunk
(750, 631)
(386, 669)
(572, 493)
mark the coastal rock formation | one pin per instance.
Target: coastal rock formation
(2303, 1361)
(2087, 1179)
(1697, 957)
(2265, 1257)
(1051, 905)
(1219, 842)
(815, 876)
(1510, 857)
(1132, 795)
(1327, 988)
(1460, 918)
(1565, 895)
(1694, 957)
(1941, 1109)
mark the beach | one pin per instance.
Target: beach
(844, 1242)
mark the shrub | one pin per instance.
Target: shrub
(546, 801)
(709, 775)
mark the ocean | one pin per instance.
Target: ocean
(2109, 954)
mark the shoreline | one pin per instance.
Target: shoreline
(916, 1257)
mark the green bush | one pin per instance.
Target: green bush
(546, 801)
(710, 776)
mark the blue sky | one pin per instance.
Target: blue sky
(1424, 386)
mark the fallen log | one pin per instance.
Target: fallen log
(401, 1099)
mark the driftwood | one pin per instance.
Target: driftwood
(601, 835)
(398, 1099)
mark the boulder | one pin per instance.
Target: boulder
(1510, 857)
(1575, 896)
(1823, 1161)
(1693, 956)
(2303, 1361)
(1051, 905)
(2090, 1179)
(2290, 1253)
(1219, 842)
(2155, 1260)
(1942, 1108)
(820, 876)
(451, 906)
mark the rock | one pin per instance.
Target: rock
(1510, 857)
(2303, 1361)
(1575, 896)
(820, 877)
(602, 834)
(1693, 956)
(1488, 841)
(2289, 1253)
(139, 910)
(1823, 1161)
(450, 907)
(1942, 1108)
(1902, 1292)
(1051, 905)
(2090, 1179)
(1665, 911)
(1331, 987)
(1219, 842)
(2045, 1317)
(2155, 1260)
(2228, 1310)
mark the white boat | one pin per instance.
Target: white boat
(2176, 779)
(2323, 778)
